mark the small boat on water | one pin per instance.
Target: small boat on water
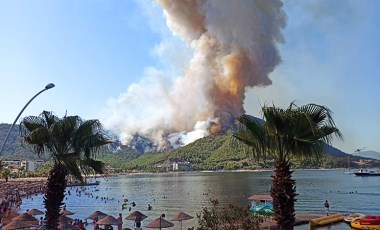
(72, 184)
(367, 172)
(368, 222)
(354, 217)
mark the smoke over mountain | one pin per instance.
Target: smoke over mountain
(234, 48)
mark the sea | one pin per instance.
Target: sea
(189, 192)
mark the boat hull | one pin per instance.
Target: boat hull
(368, 222)
(356, 224)
(367, 172)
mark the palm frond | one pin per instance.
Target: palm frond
(90, 166)
(251, 133)
(70, 162)
(293, 132)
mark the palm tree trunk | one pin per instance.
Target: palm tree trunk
(55, 192)
(283, 192)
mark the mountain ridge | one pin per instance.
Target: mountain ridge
(213, 152)
(368, 154)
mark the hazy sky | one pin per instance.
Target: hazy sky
(94, 51)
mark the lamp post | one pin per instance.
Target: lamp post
(48, 86)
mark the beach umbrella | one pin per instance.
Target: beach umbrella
(96, 215)
(11, 214)
(16, 224)
(181, 216)
(66, 212)
(65, 219)
(109, 220)
(136, 216)
(35, 212)
(160, 223)
(261, 197)
(25, 217)
(8, 216)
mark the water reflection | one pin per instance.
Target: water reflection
(170, 193)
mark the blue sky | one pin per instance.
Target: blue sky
(93, 51)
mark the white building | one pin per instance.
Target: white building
(181, 166)
(30, 166)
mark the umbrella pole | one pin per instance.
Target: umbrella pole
(181, 225)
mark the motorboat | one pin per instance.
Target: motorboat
(367, 172)
(368, 222)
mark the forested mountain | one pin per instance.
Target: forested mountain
(13, 149)
(369, 154)
(215, 152)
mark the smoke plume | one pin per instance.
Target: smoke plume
(234, 48)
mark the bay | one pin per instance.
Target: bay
(170, 193)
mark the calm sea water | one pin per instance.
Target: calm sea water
(170, 193)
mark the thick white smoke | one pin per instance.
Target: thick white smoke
(234, 47)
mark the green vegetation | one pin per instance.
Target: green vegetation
(13, 148)
(287, 134)
(231, 218)
(72, 144)
(5, 174)
(214, 152)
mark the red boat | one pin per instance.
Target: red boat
(369, 222)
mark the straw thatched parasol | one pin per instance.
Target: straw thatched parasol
(181, 216)
(25, 217)
(11, 214)
(109, 220)
(65, 219)
(160, 223)
(16, 224)
(136, 216)
(8, 216)
(96, 215)
(66, 212)
(35, 212)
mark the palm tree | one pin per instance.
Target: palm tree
(5, 173)
(285, 134)
(72, 144)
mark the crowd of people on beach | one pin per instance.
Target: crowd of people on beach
(11, 195)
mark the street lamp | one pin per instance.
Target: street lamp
(48, 86)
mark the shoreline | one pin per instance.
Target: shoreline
(39, 179)
(22, 187)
